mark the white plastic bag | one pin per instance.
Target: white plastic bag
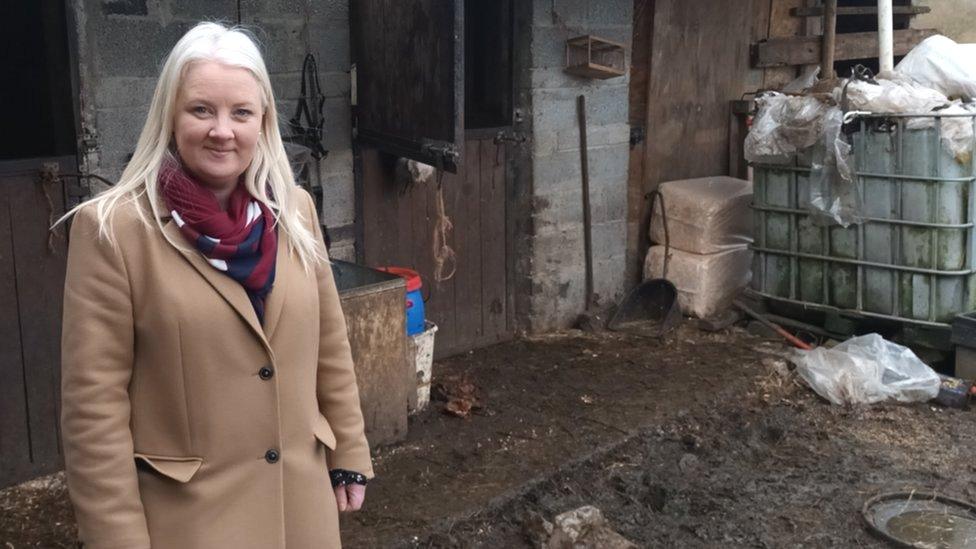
(900, 96)
(865, 370)
(942, 64)
(783, 125)
(904, 96)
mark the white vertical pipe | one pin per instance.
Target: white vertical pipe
(886, 34)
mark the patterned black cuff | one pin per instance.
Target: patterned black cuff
(342, 477)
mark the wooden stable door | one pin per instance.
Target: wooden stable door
(434, 83)
(471, 308)
(32, 265)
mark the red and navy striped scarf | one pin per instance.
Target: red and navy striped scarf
(241, 242)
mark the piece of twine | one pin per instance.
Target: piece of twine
(444, 256)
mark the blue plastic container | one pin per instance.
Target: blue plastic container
(415, 299)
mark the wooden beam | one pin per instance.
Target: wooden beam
(805, 50)
(829, 40)
(818, 11)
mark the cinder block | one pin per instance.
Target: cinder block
(610, 205)
(345, 251)
(609, 165)
(549, 46)
(124, 7)
(339, 161)
(286, 85)
(609, 239)
(133, 47)
(282, 44)
(555, 77)
(608, 104)
(554, 109)
(273, 9)
(596, 136)
(570, 12)
(338, 200)
(335, 84)
(118, 132)
(331, 49)
(338, 124)
(329, 14)
(123, 91)
(544, 143)
(610, 12)
(204, 10)
(558, 211)
(609, 279)
(554, 172)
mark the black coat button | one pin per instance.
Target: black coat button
(266, 373)
(272, 456)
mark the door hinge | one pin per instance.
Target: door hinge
(442, 152)
(510, 136)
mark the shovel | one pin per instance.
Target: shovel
(651, 308)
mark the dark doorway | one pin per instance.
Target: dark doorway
(487, 63)
(38, 142)
(39, 118)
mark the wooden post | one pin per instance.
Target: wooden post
(829, 36)
(587, 221)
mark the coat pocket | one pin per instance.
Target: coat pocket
(180, 469)
(323, 432)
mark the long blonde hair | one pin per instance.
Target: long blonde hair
(269, 168)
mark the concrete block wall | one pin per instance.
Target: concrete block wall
(122, 44)
(557, 266)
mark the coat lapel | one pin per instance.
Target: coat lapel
(227, 287)
(276, 298)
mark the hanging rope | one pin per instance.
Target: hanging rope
(49, 176)
(444, 256)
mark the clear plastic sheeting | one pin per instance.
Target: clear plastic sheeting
(834, 195)
(942, 64)
(865, 370)
(902, 96)
(805, 81)
(783, 126)
(889, 96)
(957, 132)
(705, 215)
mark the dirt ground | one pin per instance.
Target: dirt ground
(697, 440)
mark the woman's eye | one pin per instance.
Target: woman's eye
(243, 113)
(200, 109)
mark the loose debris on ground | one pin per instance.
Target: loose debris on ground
(696, 440)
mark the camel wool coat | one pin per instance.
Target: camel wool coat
(187, 424)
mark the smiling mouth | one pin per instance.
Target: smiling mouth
(220, 151)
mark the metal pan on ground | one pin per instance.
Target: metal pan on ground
(651, 309)
(923, 520)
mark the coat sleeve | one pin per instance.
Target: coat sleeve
(338, 394)
(96, 366)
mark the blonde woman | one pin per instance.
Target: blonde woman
(208, 392)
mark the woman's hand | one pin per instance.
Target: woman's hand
(350, 497)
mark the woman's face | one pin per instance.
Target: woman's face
(217, 123)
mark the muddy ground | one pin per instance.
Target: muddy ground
(697, 440)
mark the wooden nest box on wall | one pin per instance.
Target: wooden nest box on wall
(593, 57)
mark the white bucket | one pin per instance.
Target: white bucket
(422, 347)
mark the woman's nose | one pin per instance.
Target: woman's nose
(221, 128)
